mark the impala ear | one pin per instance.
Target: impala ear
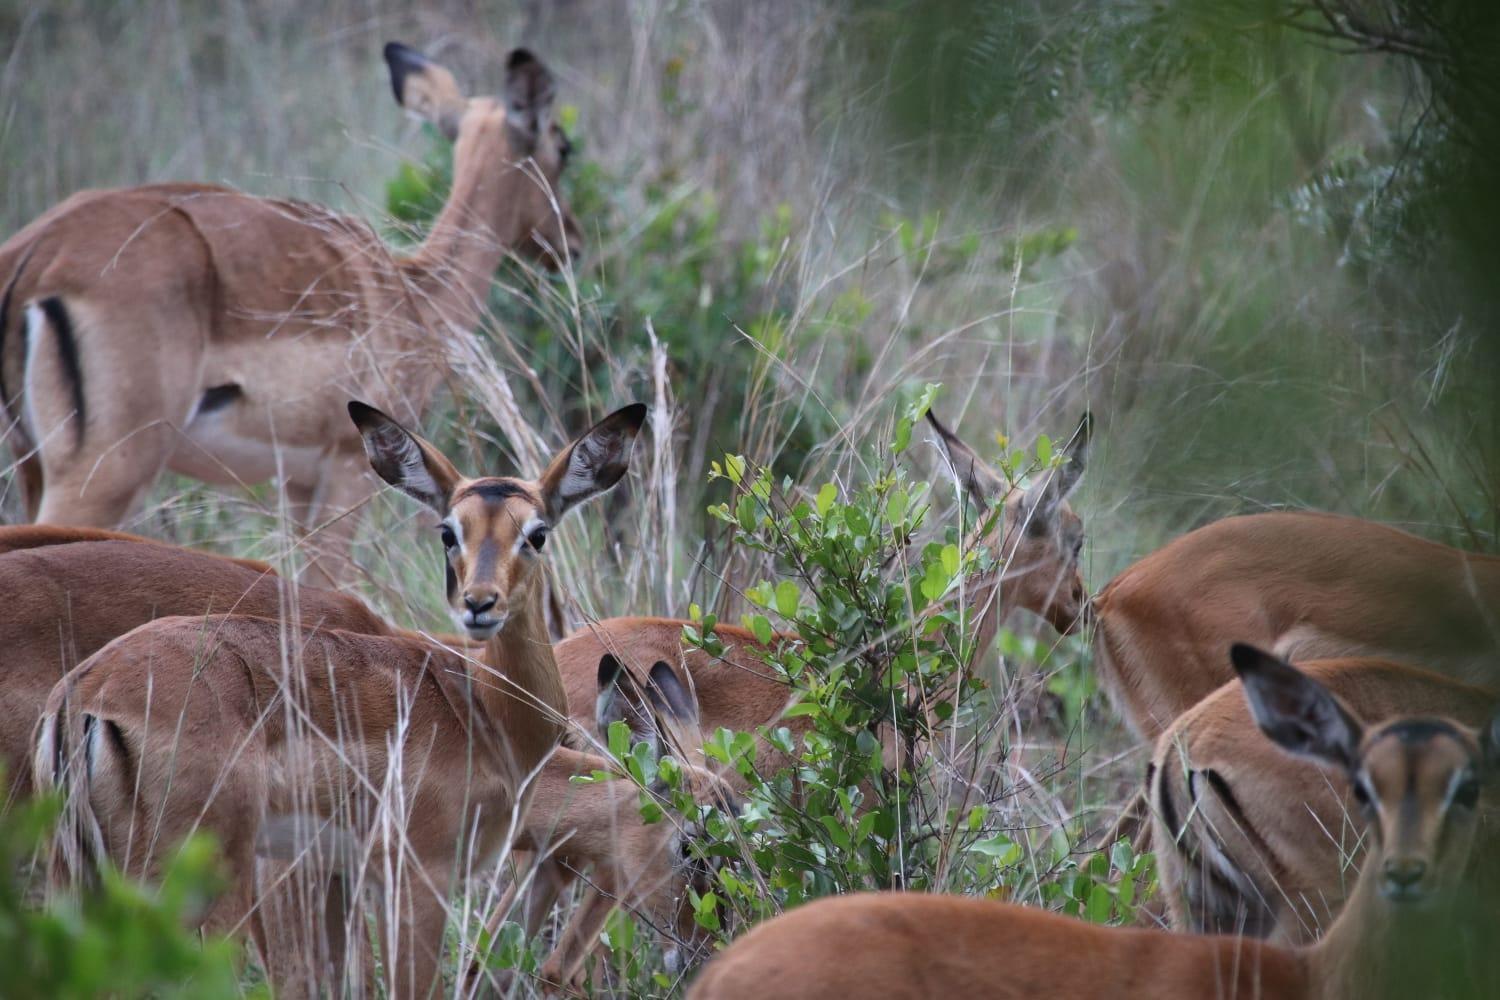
(978, 479)
(1489, 743)
(1296, 712)
(620, 700)
(668, 695)
(403, 459)
(425, 88)
(529, 92)
(593, 463)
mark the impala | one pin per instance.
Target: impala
(231, 725)
(1401, 934)
(199, 329)
(1248, 841)
(67, 592)
(1037, 541)
(1304, 585)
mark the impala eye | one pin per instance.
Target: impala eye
(450, 540)
(538, 537)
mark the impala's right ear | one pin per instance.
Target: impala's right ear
(425, 89)
(529, 93)
(1296, 712)
(619, 700)
(593, 463)
(404, 460)
(979, 481)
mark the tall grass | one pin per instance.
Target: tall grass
(773, 265)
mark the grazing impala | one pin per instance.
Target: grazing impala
(1305, 585)
(1403, 934)
(1251, 842)
(196, 328)
(1037, 541)
(234, 726)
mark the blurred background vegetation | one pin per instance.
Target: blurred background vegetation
(1255, 237)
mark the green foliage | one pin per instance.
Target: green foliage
(864, 626)
(120, 940)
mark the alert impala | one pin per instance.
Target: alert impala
(199, 329)
(1250, 842)
(1400, 936)
(228, 724)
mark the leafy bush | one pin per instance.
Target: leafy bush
(121, 940)
(876, 630)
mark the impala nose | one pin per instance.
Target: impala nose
(1403, 875)
(477, 606)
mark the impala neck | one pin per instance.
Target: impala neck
(477, 226)
(1377, 950)
(526, 701)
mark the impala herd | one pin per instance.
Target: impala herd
(1312, 824)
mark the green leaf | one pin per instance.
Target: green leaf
(787, 597)
(999, 847)
(826, 496)
(761, 626)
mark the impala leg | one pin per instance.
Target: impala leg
(579, 938)
(414, 945)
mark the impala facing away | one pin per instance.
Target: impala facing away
(1400, 936)
(1247, 841)
(1306, 586)
(229, 725)
(199, 329)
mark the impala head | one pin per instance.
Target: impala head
(494, 528)
(511, 139)
(663, 713)
(1417, 780)
(1040, 538)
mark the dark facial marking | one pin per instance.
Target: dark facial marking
(496, 489)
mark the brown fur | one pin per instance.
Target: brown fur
(912, 945)
(175, 289)
(279, 721)
(1306, 585)
(1279, 856)
(65, 599)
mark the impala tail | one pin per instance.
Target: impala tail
(69, 757)
(1208, 831)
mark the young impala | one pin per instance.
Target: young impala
(199, 329)
(1250, 842)
(230, 725)
(1404, 933)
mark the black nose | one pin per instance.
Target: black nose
(1405, 872)
(478, 607)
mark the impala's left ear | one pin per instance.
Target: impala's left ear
(425, 88)
(593, 463)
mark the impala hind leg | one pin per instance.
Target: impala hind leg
(103, 421)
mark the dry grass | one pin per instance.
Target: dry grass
(1233, 361)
